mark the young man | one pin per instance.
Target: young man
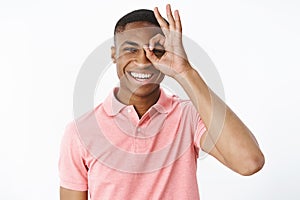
(145, 143)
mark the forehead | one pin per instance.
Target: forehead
(139, 32)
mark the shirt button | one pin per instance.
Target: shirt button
(128, 110)
(139, 129)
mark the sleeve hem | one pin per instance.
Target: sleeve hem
(200, 130)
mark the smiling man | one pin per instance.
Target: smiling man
(143, 143)
(139, 79)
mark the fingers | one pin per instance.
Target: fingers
(157, 39)
(170, 17)
(177, 21)
(174, 23)
(163, 24)
(150, 55)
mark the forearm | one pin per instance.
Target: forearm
(210, 107)
(227, 138)
(202, 97)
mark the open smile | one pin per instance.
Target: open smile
(141, 76)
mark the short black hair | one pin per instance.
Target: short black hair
(141, 15)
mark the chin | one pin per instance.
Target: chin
(145, 90)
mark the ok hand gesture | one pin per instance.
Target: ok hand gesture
(174, 61)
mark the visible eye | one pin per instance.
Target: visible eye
(159, 52)
(130, 49)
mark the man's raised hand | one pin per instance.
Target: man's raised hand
(174, 60)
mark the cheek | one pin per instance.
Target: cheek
(122, 63)
(120, 72)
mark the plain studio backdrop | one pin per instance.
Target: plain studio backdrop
(253, 44)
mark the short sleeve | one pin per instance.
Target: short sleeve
(199, 131)
(72, 168)
(198, 125)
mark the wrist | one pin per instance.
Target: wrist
(187, 72)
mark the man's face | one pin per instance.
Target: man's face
(136, 73)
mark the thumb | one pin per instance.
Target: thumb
(150, 55)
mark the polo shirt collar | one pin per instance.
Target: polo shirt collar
(164, 103)
(113, 106)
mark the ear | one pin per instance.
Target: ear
(113, 54)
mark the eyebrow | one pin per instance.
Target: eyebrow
(136, 44)
(130, 43)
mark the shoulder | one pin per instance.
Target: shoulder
(80, 126)
(184, 105)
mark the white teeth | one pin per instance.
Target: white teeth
(140, 75)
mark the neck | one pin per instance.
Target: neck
(140, 103)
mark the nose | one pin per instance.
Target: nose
(142, 58)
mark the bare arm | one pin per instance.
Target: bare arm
(66, 194)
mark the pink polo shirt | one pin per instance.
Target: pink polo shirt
(117, 156)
